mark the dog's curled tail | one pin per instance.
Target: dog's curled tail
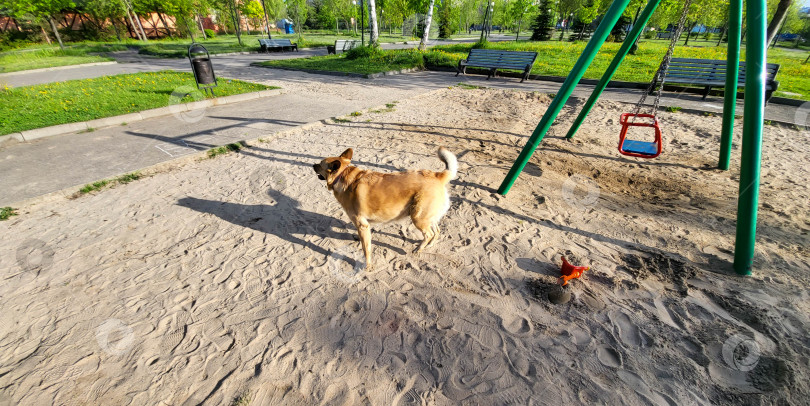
(450, 161)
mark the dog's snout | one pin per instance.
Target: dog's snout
(315, 167)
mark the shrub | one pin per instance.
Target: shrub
(210, 33)
(439, 58)
(543, 23)
(364, 52)
(649, 35)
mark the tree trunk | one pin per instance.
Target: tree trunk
(45, 34)
(266, 20)
(235, 15)
(518, 30)
(688, 33)
(165, 26)
(428, 20)
(200, 23)
(722, 34)
(778, 19)
(140, 26)
(56, 32)
(374, 35)
(117, 34)
(188, 27)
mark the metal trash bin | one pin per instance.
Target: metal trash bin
(201, 66)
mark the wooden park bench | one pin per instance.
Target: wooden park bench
(342, 45)
(663, 35)
(494, 59)
(711, 73)
(276, 45)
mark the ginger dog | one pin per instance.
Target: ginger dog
(370, 197)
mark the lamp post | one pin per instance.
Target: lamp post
(362, 24)
(491, 11)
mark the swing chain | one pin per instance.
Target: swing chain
(661, 73)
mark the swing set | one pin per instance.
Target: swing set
(754, 106)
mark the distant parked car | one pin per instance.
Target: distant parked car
(789, 37)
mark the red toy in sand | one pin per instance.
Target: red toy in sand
(571, 272)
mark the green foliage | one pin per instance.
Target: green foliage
(214, 152)
(93, 186)
(45, 58)
(210, 33)
(6, 212)
(364, 52)
(618, 31)
(121, 180)
(448, 19)
(29, 107)
(129, 177)
(386, 61)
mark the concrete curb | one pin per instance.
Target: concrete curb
(84, 65)
(30, 135)
(344, 74)
(160, 167)
(70, 192)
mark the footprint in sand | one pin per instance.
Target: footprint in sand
(609, 357)
(628, 332)
(516, 325)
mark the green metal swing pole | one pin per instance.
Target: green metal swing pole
(732, 72)
(600, 35)
(748, 197)
(631, 39)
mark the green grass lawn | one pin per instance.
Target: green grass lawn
(556, 58)
(36, 58)
(26, 108)
(386, 61)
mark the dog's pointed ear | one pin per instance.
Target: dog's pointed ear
(335, 165)
(347, 154)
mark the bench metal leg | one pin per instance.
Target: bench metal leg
(707, 90)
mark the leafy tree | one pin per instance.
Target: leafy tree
(518, 9)
(543, 22)
(448, 19)
(778, 18)
(428, 20)
(587, 13)
(297, 10)
(372, 21)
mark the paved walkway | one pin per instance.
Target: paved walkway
(55, 163)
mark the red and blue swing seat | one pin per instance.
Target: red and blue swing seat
(637, 148)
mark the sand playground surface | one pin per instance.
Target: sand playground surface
(236, 279)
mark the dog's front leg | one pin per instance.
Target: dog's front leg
(364, 231)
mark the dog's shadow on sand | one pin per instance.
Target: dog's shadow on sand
(284, 219)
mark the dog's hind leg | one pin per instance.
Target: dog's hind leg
(427, 232)
(435, 228)
(364, 231)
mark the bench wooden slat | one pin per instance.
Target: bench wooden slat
(496, 59)
(266, 44)
(712, 73)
